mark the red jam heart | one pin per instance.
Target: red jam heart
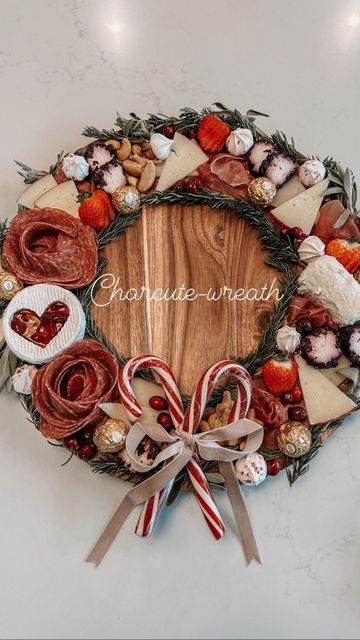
(40, 330)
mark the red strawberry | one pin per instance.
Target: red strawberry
(98, 193)
(346, 252)
(279, 375)
(94, 212)
(212, 133)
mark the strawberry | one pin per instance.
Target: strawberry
(347, 252)
(212, 133)
(94, 211)
(279, 375)
(98, 193)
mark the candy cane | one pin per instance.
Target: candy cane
(202, 491)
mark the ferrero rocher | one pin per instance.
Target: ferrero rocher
(294, 439)
(262, 191)
(126, 200)
(9, 286)
(110, 435)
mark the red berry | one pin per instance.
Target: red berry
(158, 403)
(71, 443)
(304, 326)
(165, 420)
(87, 451)
(297, 413)
(287, 397)
(273, 467)
(87, 434)
(191, 184)
(191, 135)
(169, 131)
(297, 232)
(297, 394)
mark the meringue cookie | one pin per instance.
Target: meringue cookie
(252, 469)
(311, 172)
(75, 167)
(161, 145)
(311, 248)
(288, 339)
(23, 377)
(239, 142)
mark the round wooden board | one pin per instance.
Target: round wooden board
(201, 249)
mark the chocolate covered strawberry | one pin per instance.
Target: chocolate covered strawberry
(280, 375)
(212, 133)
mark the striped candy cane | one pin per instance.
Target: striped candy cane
(202, 491)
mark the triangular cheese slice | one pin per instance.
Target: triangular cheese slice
(36, 190)
(333, 374)
(63, 196)
(302, 210)
(323, 400)
(289, 190)
(185, 156)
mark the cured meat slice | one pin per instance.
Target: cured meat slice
(328, 215)
(211, 181)
(303, 308)
(231, 170)
(49, 245)
(67, 391)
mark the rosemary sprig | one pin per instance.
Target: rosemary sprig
(32, 175)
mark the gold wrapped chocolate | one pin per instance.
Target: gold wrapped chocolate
(126, 200)
(110, 435)
(294, 439)
(9, 286)
(262, 191)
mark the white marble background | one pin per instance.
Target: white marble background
(65, 64)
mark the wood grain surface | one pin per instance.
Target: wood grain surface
(201, 249)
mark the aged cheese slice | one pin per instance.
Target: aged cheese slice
(302, 210)
(322, 399)
(36, 190)
(185, 156)
(289, 190)
(143, 390)
(332, 373)
(63, 196)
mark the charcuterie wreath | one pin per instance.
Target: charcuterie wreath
(247, 418)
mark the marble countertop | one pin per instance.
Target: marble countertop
(67, 64)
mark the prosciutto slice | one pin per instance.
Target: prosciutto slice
(328, 215)
(303, 308)
(230, 176)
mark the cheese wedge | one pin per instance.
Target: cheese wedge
(302, 210)
(332, 373)
(63, 196)
(36, 190)
(323, 400)
(185, 156)
(289, 190)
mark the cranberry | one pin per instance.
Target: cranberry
(297, 232)
(191, 184)
(165, 420)
(297, 413)
(287, 397)
(71, 443)
(87, 451)
(191, 135)
(273, 467)
(169, 131)
(297, 394)
(304, 326)
(158, 403)
(87, 434)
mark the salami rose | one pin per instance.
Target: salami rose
(66, 392)
(269, 409)
(50, 245)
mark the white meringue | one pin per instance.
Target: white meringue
(239, 142)
(288, 339)
(75, 167)
(311, 248)
(23, 377)
(252, 469)
(161, 145)
(311, 172)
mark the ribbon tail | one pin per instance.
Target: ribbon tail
(137, 495)
(241, 513)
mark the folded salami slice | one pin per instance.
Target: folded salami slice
(50, 245)
(67, 391)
